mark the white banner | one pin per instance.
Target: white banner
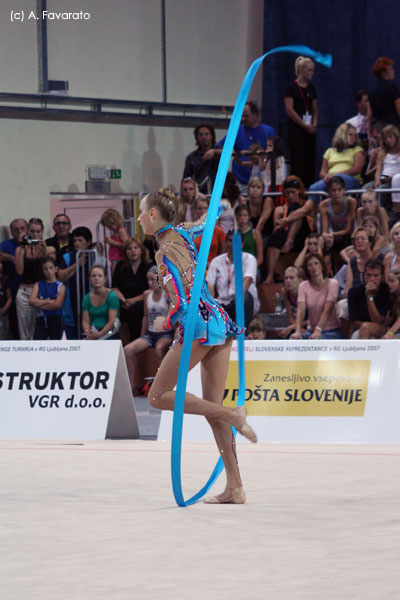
(339, 391)
(75, 390)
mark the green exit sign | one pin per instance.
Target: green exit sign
(114, 174)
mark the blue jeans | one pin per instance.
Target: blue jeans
(329, 334)
(350, 182)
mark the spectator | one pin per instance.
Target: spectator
(394, 289)
(290, 290)
(231, 195)
(318, 295)
(388, 166)
(188, 196)
(155, 305)
(5, 304)
(301, 107)
(82, 237)
(112, 219)
(384, 97)
(291, 224)
(312, 244)
(363, 253)
(100, 307)
(345, 158)
(260, 161)
(361, 121)
(392, 259)
(252, 240)
(221, 281)
(197, 164)
(261, 209)
(338, 214)
(370, 208)
(251, 131)
(379, 243)
(28, 265)
(218, 238)
(256, 329)
(62, 241)
(47, 297)
(129, 283)
(369, 303)
(18, 227)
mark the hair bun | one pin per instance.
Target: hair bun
(167, 192)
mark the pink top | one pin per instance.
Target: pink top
(315, 302)
(115, 253)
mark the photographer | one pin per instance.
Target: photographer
(32, 248)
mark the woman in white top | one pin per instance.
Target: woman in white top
(388, 166)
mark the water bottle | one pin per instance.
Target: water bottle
(278, 302)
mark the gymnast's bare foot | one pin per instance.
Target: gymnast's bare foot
(242, 426)
(228, 496)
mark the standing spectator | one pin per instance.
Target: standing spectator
(301, 107)
(5, 304)
(318, 295)
(28, 265)
(361, 121)
(369, 303)
(251, 131)
(18, 227)
(47, 297)
(345, 158)
(62, 241)
(129, 282)
(112, 219)
(221, 282)
(100, 307)
(384, 97)
(197, 164)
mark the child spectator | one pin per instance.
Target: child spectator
(112, 219)
(5, 303)
(260, 161)
(100, 307)
(370, 208)
(252, 240)
(338, 214)
(155, 305)
(290, 290)
(47, 297)
(256, 329)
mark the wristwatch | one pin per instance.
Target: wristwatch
(370, 298)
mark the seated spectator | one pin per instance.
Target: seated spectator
(188, 195)
(379, 242)
(199, 165)
(221, 282)
(218, 239)
(28, 258)
(256, 330)
(312, 244)
(5, 304)
(290, 290)
(114, 221)
(345, 158)
(394, 290)
(231, 198)
(252, 240)
(67, 273)
(260, 161)
(155, 305)
(356, 265)
(318, 296)
(261, 209)
(100, 307)
(62, 241)
(374, 146)
(47, 297)
(291, 224)
(370, 208)
(18, 227)
(391, 260)
(361, 121)
(369, 303)
(387, 173)
(384, 97)
(129, 282)
(338, 213)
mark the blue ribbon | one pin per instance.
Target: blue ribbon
(176, 444)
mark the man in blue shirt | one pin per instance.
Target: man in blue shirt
(251, 131)
(18, 227)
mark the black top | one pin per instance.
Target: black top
(358, 303)
(201, 170)
(54, 243)
(130, 285)
(32, 270)
(381, 99)
(302, 99)
(4, 286)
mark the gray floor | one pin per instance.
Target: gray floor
(148, 418)
(97, 520)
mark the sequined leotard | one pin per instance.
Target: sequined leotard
(176, 275)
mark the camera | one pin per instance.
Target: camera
(28, 240)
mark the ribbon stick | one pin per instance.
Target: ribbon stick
(176, 444)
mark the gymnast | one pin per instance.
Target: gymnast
(214, 331)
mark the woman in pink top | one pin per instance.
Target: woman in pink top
(318, 295)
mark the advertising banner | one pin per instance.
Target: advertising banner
(339, 391)
(65, 390)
